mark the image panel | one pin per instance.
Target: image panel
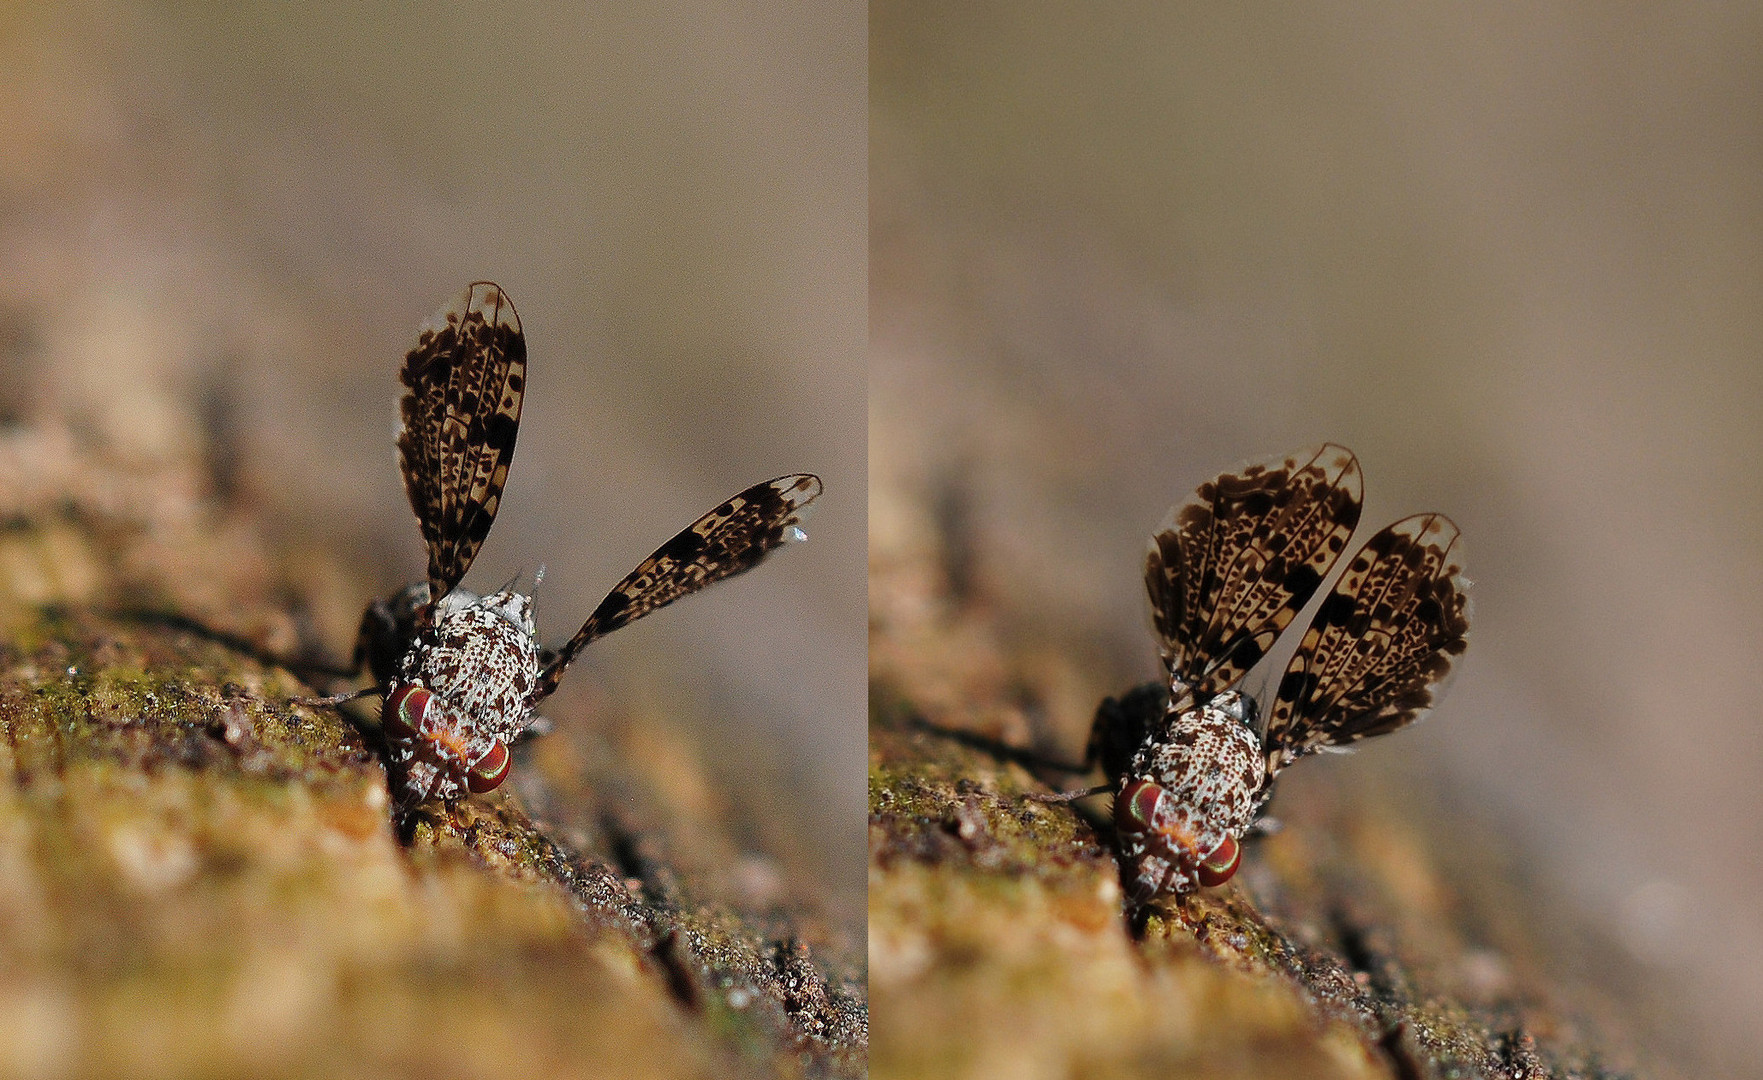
(1488, 282)
(411, 414)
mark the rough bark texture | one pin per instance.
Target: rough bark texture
(199, 878)
(1372, 937)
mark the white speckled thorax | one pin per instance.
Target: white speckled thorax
(1209, 763)
(480, 661)
(1209, 759)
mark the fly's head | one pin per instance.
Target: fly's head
(435, 752)
(461, 697)
(1191, 793)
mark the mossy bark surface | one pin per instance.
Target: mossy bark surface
(1368, 938)
(203, 878)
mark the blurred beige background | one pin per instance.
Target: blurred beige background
(232, 218)
(1512, 256)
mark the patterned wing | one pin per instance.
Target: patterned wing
(729, 539)
(463, 385)
(1389, 630)
(1237, 561)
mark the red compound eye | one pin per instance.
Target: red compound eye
(1136, 804)
(491, 769)
(403, 711)
(1222, 863)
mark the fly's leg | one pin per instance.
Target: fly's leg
(1058, 797)
(1122, 725)
(535, 727)
(376, 649)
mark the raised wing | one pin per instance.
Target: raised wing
(729, 539)
(463, 385)
(1390, 629)
(1235, 563)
